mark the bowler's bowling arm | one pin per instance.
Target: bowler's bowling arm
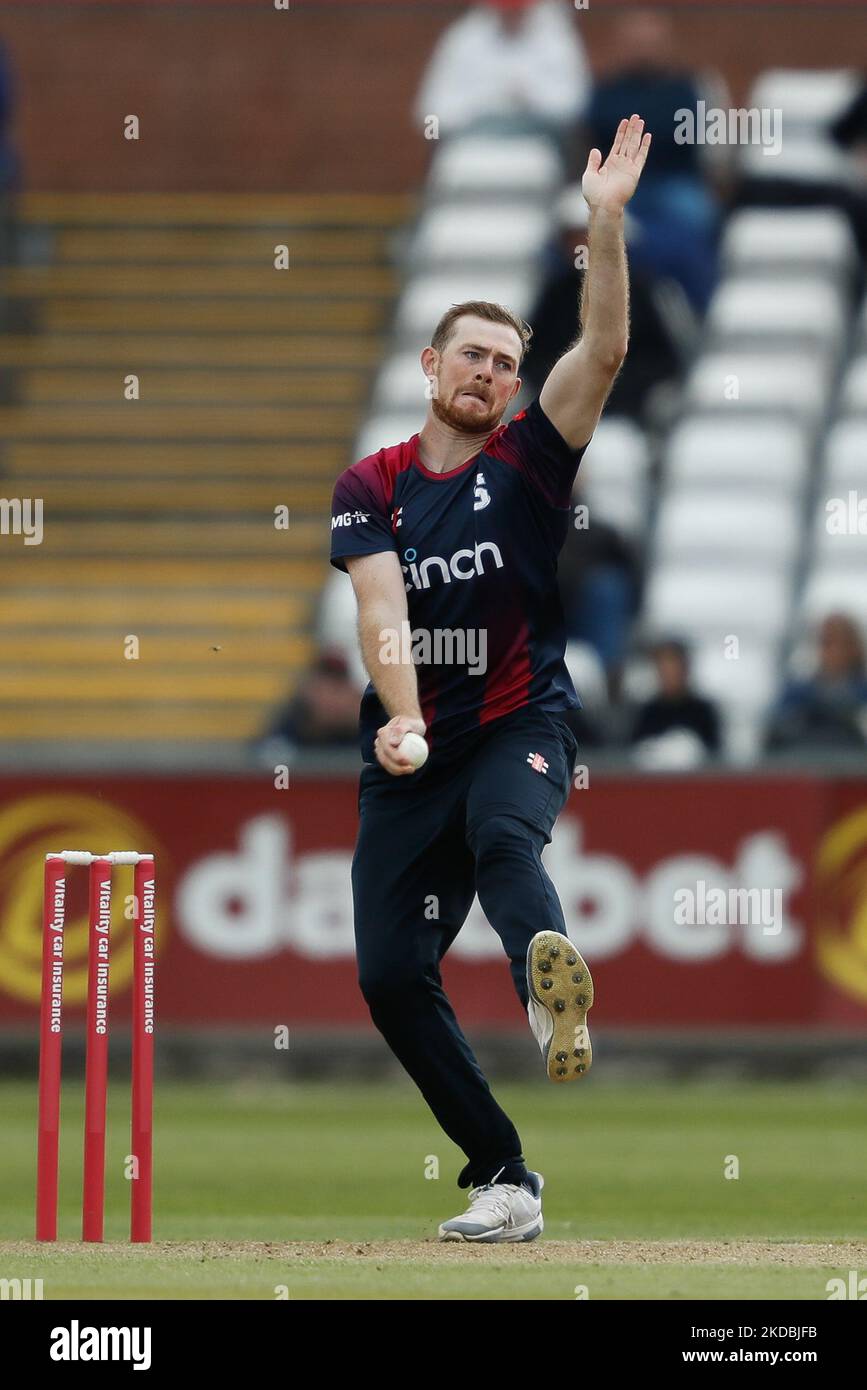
(383, 631)
(578, 385)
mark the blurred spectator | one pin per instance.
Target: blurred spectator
(336, 624)
(828, 710)
(9, 164)
(588, 678)
(850, 133)
(660, 318)
(8, 156)
(674, 206)
(850, 130)
(508, 66)
(323, 712)
(675, 727)
(599, 574)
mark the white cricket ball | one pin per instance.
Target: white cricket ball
(414, 748)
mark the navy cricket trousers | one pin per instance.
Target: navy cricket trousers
(473, 820)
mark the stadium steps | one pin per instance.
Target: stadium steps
(172, 649)
(257, 386)
(128, 722)
(202, 315)
(172, 538)
(140, 420)
(211, 617)
(128, 682)
(163, 496)
(131, 245)
(159, 513)
(222, 281)
(334, 352)
(61, 459)
(135, 572)
(216, 212)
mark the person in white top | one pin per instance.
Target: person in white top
(507, 58)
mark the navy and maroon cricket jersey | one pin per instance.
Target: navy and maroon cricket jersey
(478, 547)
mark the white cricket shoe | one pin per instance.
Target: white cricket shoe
(561, 992)
(500, 1211)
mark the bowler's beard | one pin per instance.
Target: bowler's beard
(461, 415)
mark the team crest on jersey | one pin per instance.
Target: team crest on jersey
(481, 494)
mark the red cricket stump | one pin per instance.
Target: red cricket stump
(96, 1050)
(141, 1200)
(50, 1046)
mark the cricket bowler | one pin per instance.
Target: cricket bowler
(451, 542)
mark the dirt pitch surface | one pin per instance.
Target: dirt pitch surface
(852, 1255)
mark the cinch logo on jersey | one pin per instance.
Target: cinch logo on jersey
(464, 564)
(348, 519)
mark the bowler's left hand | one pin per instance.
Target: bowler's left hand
(609, 186)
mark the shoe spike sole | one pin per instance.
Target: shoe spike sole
(559, 980)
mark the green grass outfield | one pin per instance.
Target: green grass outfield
(319, 1191)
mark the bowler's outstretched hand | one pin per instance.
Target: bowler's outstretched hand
(609, 186)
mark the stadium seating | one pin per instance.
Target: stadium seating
(729, 505)
(773, 423)
(810, 241)
(807, 102)
(485, 217)
(614, 475)
(475, 164)
(159, 513)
